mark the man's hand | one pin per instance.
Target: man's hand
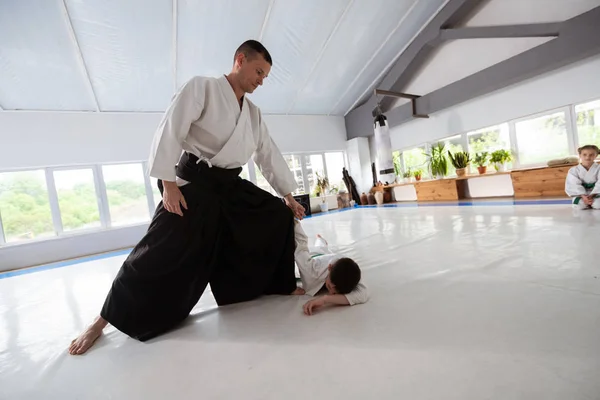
(313, 305)
(588, 200)
(296, 207)
(172, 198)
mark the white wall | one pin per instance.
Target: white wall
(574, 84)
(39, 139)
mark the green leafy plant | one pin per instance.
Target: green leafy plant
(481, 159)
(417, 174)
(501, 156)
(407, 174)
(322, 184)
(460, 159)
(437, 161)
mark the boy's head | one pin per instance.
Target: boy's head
(588, 153)
(344, 275)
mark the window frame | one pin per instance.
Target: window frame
(514, 144)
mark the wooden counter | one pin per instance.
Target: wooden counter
(540, 182)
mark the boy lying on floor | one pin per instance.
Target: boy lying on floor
(321, 269)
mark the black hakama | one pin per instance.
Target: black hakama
(234, 235)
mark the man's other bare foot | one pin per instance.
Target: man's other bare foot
(321, 237)
(298, 292)
(88, 337)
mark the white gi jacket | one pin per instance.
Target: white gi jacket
(205, 119)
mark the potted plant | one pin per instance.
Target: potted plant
(323, 184)
(417, 174)
(499, 158)
(407, 175)
(481, 160)
(460, 161)
(437, 161)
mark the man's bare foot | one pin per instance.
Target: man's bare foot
(298, 292)
(321, 237)
(88, 337)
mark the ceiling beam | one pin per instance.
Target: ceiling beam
(79, 55)
(364, 68)
(265, 20)
(321, 52)
(391, 63)
(175, 25)
(502, 31)
(579, 39)
(359, 122)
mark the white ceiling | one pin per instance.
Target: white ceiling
(457, 59)
(131, 55)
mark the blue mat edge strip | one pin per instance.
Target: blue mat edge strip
(117, 253)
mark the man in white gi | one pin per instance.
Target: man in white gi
(205, 229)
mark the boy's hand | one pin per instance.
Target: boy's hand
(313, 305)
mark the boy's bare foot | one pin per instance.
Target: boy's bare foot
(298, 292)
(88, 337)
(321, 237)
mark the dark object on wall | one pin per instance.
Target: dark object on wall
(374, 172)
(351, 186)
(304, 201)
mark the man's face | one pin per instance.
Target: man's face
(252, 72)
(588, 156)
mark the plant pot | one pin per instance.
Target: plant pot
(364, 200)
(481, 170)
(324, 207)
(500, 167)
(461, 172)
(379, 198)
(387, 196)
(417, 178)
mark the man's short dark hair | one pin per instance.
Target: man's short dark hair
(345, 275)
(251, 48)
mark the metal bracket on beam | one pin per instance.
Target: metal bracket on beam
(411, 97)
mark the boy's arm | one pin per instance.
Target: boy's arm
(313, 305)
(358, 296)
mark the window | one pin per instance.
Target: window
(126, 193)
(77, 199)
(542, 138)
(453, 145)
(314, 165)
(155, 192)
(295, 165)
(415, 159)
(397, 163)
(24, 206)
(489, 140)
(335, 165)
(588, 123)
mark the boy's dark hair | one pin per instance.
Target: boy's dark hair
(251, 48)
(589, 147)
(344, 275)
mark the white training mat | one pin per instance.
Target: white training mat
(467, 303)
